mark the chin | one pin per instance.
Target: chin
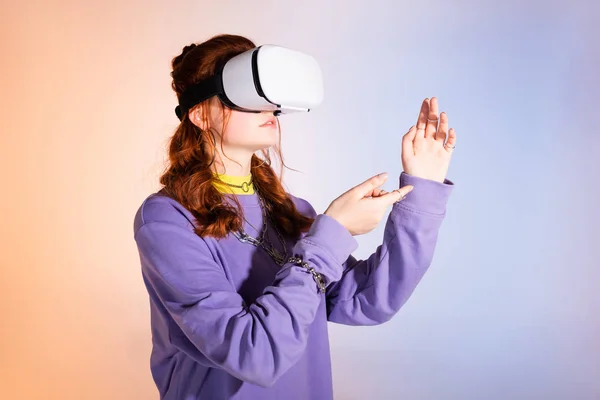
(267, 141)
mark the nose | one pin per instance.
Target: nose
(275, 113)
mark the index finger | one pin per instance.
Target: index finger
(432, 118)
(422, 118)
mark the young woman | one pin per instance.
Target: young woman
(243, 276)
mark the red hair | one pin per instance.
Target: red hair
(189, 178)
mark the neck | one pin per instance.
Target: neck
(236, 163)
(234, 176)
(234, 170)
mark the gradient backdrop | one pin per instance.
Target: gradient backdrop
(509, 308)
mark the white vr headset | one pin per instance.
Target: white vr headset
(266, 78)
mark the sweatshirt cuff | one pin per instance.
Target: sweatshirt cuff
(328, 233)
(427, 196)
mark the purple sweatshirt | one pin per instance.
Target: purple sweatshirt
(229, 323)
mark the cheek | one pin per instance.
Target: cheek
(240, 125)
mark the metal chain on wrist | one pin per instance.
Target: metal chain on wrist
(296, 259)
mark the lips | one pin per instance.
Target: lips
(270, 122)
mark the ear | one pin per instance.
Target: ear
(196, 117)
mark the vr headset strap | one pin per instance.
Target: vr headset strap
(197, 93)
(204, 90)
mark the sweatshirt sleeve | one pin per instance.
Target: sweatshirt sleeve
(371, 291)
(255, 342)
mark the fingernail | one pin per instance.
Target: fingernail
(382, 175)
